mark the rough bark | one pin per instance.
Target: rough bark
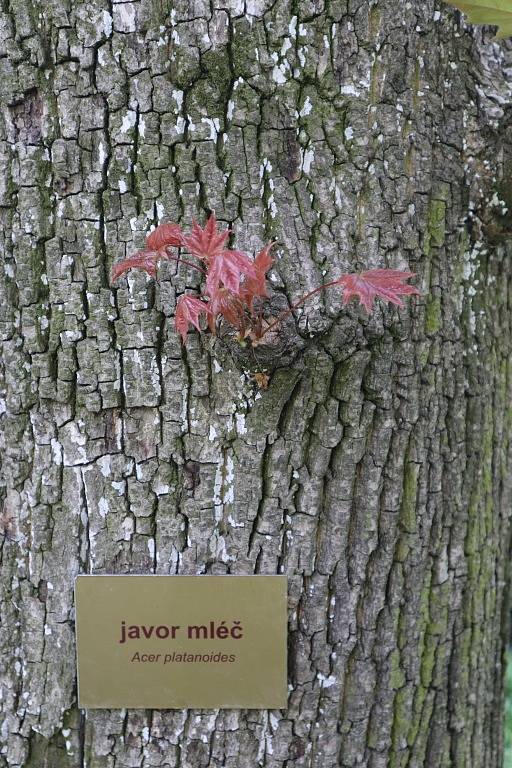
(374, 471)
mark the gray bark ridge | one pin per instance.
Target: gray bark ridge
(375, 469)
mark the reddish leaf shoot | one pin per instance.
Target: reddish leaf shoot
(387, 284)
(205, 243)
(164, 235)
(188, 311)
(234, 281)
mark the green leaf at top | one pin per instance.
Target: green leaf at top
(494, 12)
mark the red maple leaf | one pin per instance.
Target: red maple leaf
(257, 286)
(227, 268)
(230, 306)
(146, 260)
(164, 234)
(387, 284)
(205, 243)
(188, 311)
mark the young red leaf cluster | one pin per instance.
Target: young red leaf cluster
(236, 285)
(233, 279)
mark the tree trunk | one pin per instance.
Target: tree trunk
(375, 468)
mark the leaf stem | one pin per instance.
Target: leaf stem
(183, 261)
(297, 304)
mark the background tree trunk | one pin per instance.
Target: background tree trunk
(374, 470)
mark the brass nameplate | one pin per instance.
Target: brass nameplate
(160, 642)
